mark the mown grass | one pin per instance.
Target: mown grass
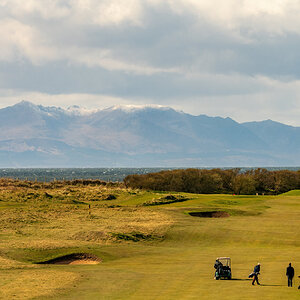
(148, 252)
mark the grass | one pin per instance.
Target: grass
(148, 252)
(292, 193)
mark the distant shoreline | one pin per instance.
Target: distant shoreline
(107, 174)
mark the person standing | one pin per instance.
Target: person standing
(255, 274)
(290, 272)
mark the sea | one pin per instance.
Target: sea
(52, 174)
(106, 174)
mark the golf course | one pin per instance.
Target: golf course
(64, 240)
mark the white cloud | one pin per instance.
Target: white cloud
(19, 41)
(272, 16)
(103, 12)
(106, 12)
(215, 57)
(29, 33)
(104, 58)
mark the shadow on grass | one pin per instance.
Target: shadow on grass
(271, 284)
(246, 279)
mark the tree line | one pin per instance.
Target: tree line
(215, 181)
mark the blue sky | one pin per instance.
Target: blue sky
(229, 58)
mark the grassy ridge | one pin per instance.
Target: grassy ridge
(176, 259)
(292, 193)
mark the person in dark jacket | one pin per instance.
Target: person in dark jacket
(218, 266)
(290, 272)
(255, 274)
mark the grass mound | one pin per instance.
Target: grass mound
(74, 259)
(95, 236)
(133, 236)
(292, 193)
(165, 200)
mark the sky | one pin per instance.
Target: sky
(229, 58)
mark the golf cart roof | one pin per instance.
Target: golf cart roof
(224, 258)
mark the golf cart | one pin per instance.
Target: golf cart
(223, 268)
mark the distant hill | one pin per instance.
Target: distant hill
(37, 136)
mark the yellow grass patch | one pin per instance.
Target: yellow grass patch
(28, 284)
(6, 263)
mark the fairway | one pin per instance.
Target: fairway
(147, 251)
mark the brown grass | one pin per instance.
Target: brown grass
(31, 218)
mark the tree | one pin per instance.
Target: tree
(244, 184)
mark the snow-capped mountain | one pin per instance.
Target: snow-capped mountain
(37, 136)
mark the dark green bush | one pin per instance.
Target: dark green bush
(215, 181)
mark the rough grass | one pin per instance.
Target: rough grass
(34, 283)
(156, 252)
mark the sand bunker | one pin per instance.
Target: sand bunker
(74, 259)
(209, 214)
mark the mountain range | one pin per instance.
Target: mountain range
(149, 136)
